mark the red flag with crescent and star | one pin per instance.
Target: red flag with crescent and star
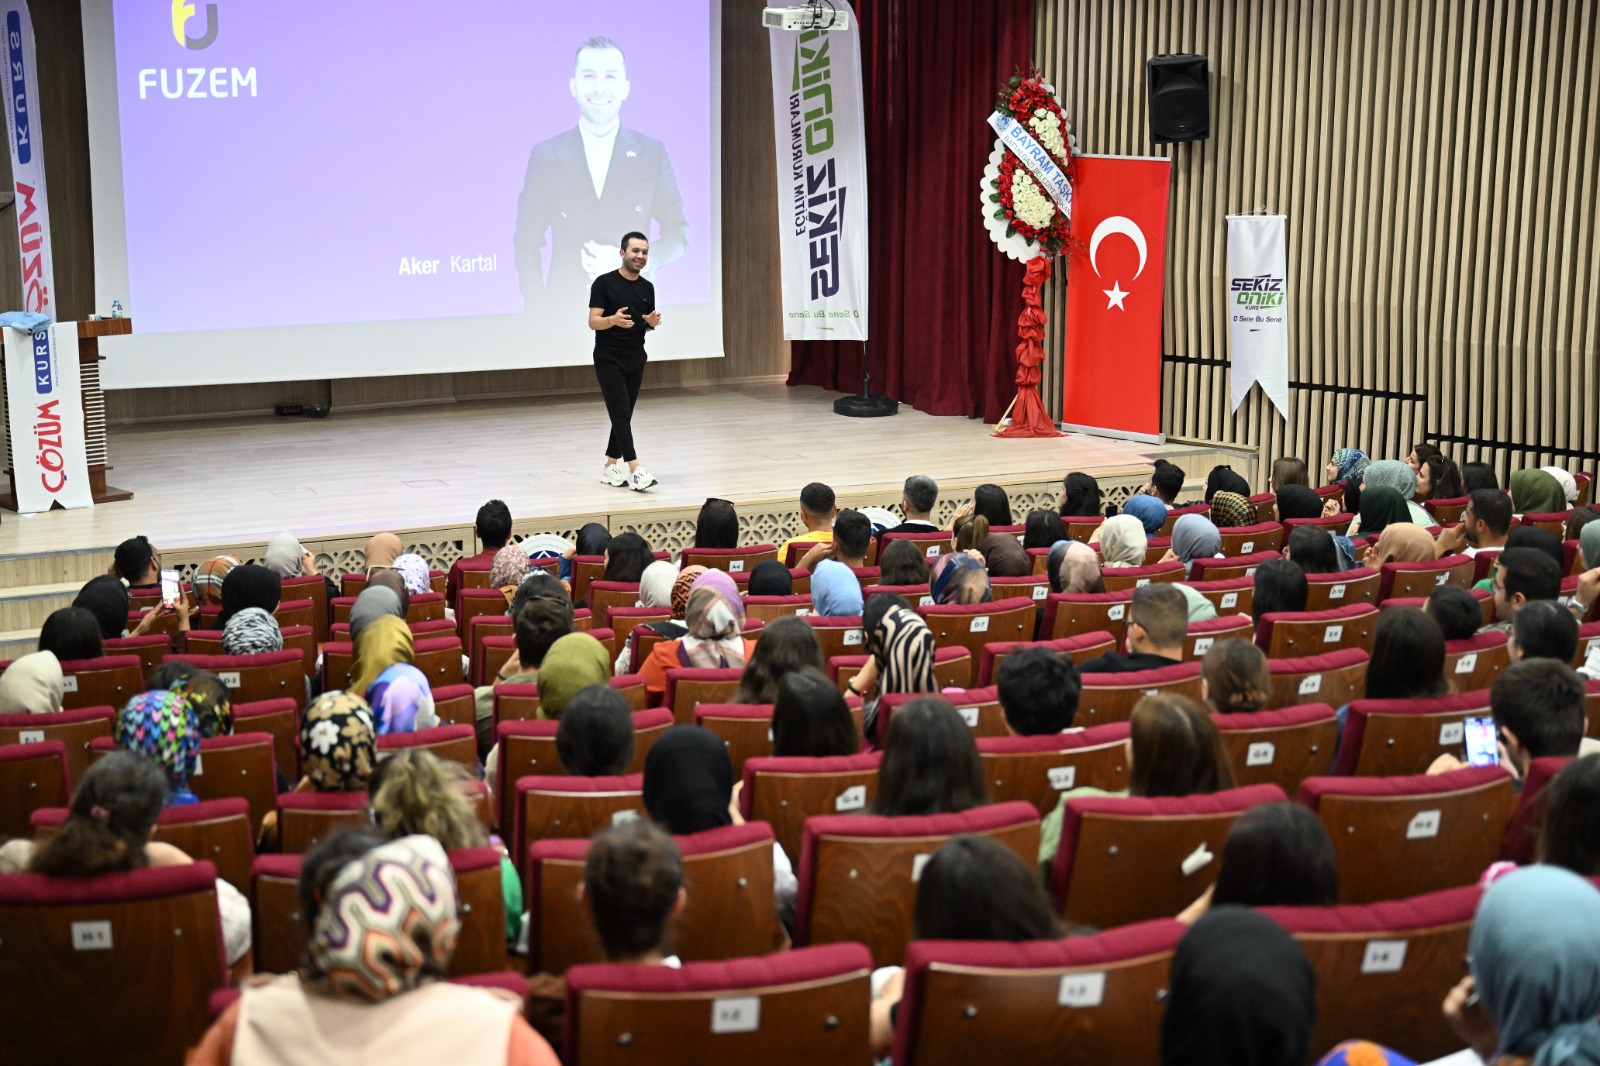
(1115, 281)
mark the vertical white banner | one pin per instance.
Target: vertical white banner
(49, 459)
(27, 160)
(822, 183)
(1258, 309)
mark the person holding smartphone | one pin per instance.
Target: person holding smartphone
(1538, 708)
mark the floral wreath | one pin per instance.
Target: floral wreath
(1022, 219)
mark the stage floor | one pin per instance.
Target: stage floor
(216, 483)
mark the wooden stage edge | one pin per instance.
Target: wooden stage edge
(425, 471)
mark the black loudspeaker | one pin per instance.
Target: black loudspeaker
(1178, 94)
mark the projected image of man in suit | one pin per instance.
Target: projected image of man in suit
(588, 184)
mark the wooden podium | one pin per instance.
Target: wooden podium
(94, 411)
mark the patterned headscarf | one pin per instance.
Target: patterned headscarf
(402, 701)
(1363, 1053)
(208, 578)
(903, 646)
(958, 578)
(655, 584)
(680, 590)
(1391, 474)
(1123, 541)
(209, 698)
(1231, 509)
(1074, 567)
(162, 725)
(1151, 512)
(1194, 537)
(414, 568)
(716, 620)
(385, 641)
(510, 566)
(337, 750)
(389, 922)
(283, 555)
(251, 632)
(32, 685)
(1349, 464)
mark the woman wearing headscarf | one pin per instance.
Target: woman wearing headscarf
(401, 701)
(510, 566)
(106, 598)
(287, 557)
(208, 578)
(372, 987)
(958, 578)
(1401, 542)
(383, 643)
(1381, 507)
(1194, 537)
(162, 725)
(382, 550)
(715, 617)
(1568, 483)
(1123, 542)
(1230, 509)
(251, 631)
(573, 663)
(1536, 492)
(1224, 479)
(1241, 993)
(1535, 959)
(337, 752)
(655, 590)
(901, 648)
(249, 586)
(1074, 567)
(688, 788)
(1393, 474)
(414, 568)
(1346, 468)
(1149, 510)
(374, 602)
(1200, 608)
(33, 684)
(1298, 501)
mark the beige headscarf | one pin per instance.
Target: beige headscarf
(1123, 541)
(32, 685)
(1404, 542)
(383, 549)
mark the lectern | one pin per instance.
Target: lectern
(94, 411)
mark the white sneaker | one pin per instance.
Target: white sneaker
(640, 479)
(616, 474)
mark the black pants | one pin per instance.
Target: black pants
(620, 374)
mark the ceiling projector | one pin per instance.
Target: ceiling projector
(807, 17)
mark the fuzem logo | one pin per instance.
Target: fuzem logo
(182, 12)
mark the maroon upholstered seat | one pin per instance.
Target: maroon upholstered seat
(110, 680)
(1203, 635)
(1474, 662)
(785, 792)
(306, 817)
(1230, 566)
(979, 708)
(1128, 578)
(690, 686)
(1111, 697)
(1037, 769)
(1358, 585)
(1279, 747)
(270, 675)
(453, 743)
(1335, 678)
(562, 806)
(76, 730)
(32, 776)
(732, 560)
(1292, 634)
(1420, 579)
(1078, 648)
(1522, 835)
(1405, 736)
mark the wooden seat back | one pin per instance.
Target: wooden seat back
(279, 933)
(109, 681)
(1326, 591)
(1112, 697)
(1279, 747)
(555, 807)
(76, 730)
(1295, 634)
(1037, 770)
(306, 817)
(785, 792)
(1334, 679)
(33, 776)
(972, 627)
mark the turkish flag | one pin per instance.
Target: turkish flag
(1116, 274)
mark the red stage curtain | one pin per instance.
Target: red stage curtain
(943, 302)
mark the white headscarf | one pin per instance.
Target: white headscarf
(1569, 485)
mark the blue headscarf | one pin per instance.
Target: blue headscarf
(1350, 463)
(1151, 512)
(1535, 953)
(956, 578)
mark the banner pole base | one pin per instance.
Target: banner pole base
(864, 404)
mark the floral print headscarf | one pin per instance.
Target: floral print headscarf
(337, 749)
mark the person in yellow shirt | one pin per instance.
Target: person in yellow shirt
(817, 509)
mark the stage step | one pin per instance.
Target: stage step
(18, 643)
(52, 567)
(27, 607)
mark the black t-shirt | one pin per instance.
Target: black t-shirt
(612, 291)
(1117, 663)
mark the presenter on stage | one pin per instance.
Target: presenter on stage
(588, 184)
(622, 309)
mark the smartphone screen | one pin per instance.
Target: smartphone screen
(169, 587)
(1483, 748)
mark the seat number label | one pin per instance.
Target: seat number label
(1247, 547)
(969, 715)
(1452, 733)
(852, 637)
(1423, 824)
(1332, 634)
(917, 863)
(624, 817)
(1467, 663)
(1062, 777)
(1203, 645)
(736, 1014)
(1310, 683)
(1140, 583)
(31, 736)
(91, 936)
(1082, 989)
(853, 798)
(932, 552)
(1261, 753)
(1040, 592)
(926, 601)
(735, 566)
(980, 624)
(69, 683)
(229, 678)
(1230, 599)
(1114, 614)
(1384, 956)
(1336, 592)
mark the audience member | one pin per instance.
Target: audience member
(1166, 481)
(1476, 476)
(626, 557)
(71, 634)
(287, 557)
(1230, 510)
(1393, 474)
(136, 563)
(1580, 517)
(1241, 991)
(1522, 575)
(1199, 607)
(1568, 483)
(930, 763)
(249, 586)
(211, 700)
(715, 617)
(1275, 855)
(817, 508)
(1570, 835)
(596, 736)
(1313, 550)
(164, 727)
(1158, 620)
(1540, 540)
(506, 570)
(382, 550)
(1123, 541)
(1298, 501)
(1080, 496)
(900, 562)
(1280, 586)
(1041, 529)
(380, 945)
(810, 718)
(208, 578)
(1287, 471)
(1194, 536)
(1003, 555)
(401, 701)
(413, 568)
(384, 642)
(493, 526)
(901, 649)
(1544, 629)
(1381, 507)
(573, 663)
(251, 631)
(1534, 989)
(1538, 708)
(1484, 526)
(108, 829)
(717, 525)
(1438, 479)
(1345, 469)
(1536, 492)
(1407, 657)
(835, 590)
(989, 502)
(655, 584)
(917, 502)
(1420, 454)
(959, 578)
(1149, 510)
(769, 578)
(32, 684)
(1235, 677)
(1456, 610)
(393, 582)
(106, 597)
(1400, 542)
(1223, 479)
(785, 645)
(1074, 567)
(1038, 692)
